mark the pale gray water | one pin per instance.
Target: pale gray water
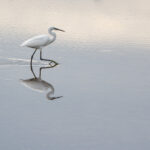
(103, 76)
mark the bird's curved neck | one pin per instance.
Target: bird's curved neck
(49, 95)
(50, 31)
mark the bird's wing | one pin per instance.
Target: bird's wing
(36, 41)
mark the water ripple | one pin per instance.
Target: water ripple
(19, 62)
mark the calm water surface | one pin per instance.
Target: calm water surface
(103, 76)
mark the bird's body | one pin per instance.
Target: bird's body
(40, 41)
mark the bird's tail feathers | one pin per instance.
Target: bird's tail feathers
(23, 44)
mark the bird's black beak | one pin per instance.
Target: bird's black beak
(59, 29)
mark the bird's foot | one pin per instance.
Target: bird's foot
(53, 63)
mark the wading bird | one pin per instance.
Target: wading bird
(40, 41)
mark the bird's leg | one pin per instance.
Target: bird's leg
(40, 70)
(51, 61)
(31, 63)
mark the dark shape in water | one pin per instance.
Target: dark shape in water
(37, 84)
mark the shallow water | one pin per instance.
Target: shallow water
(102, 76)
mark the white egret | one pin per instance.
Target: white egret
(40, 41)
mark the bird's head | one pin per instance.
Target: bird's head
(57, 29)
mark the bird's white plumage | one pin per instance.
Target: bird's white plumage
(40, 41)
(37, 41)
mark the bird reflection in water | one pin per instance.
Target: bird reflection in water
(39, 85)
